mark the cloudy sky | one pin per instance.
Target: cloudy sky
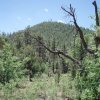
(17, 14)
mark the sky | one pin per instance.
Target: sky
(18, 14)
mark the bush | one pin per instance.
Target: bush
(9, 65)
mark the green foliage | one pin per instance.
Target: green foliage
(22, 54)
(9, 65)
(98, 31)
(88, 84)
(36, 65)
(41, 87)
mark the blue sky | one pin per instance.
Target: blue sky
(17, 14)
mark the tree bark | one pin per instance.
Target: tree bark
(96, 13)
(72, 14)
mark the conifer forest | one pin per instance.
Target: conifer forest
(52, 60)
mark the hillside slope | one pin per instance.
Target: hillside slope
(62, 33)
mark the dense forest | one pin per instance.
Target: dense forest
(51, 61)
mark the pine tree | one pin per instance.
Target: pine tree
(40, 49)
(27, 36)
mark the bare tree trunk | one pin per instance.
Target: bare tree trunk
(96, 13)
(97, 39)
(72, 14)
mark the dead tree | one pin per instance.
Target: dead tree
(96, 38)
(71, 12)
(58, 52)
(84, 45)
(96, 13)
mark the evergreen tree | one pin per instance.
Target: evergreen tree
(10, 66)
(40, 49)
(27, 36)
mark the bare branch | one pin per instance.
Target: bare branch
(58, 52)
(96, 13)
(67, 11)
(71, 12)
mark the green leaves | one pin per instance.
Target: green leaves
(9, 65)
(90, 81)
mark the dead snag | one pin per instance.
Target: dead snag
(96, 38)
(58, 52)
(96, 13)
(71, 12)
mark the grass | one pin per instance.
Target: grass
(41, 88)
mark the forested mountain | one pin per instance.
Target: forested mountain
(28, 45)
(30, 52)
(50, 30)
(51, 61)
(62, 33)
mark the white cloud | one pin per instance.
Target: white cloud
(46, 10)
(60, 21)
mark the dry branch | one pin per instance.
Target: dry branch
(71, 12)
(58, 52)
(96, 13)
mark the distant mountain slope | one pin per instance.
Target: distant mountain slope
(63, 33)
(60, 31)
